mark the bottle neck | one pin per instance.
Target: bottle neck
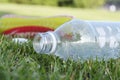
(45, 43)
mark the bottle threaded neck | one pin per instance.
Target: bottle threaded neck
(45, 43)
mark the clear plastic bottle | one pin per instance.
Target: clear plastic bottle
(79, 39)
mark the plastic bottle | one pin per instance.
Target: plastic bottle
(79, 39)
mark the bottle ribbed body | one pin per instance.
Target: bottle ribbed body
(79, 39)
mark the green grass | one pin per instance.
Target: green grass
(21, 62)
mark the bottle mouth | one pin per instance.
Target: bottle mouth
(45, 43)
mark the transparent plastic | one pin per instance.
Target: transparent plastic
(79, 39)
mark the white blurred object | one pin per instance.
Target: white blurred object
(112, 8)
(20, 40)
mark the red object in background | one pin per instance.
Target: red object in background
(23, 29)
(26, 31)
(16, 25)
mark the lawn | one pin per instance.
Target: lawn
(36, 10)
(21, 62)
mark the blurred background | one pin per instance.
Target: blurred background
(82, 9)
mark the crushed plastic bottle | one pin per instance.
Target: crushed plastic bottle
(79, 39)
